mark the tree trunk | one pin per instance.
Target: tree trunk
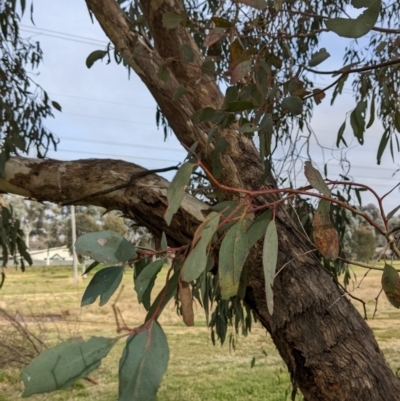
(330, 351)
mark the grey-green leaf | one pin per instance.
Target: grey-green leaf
(292, 104)
(148, 275)
(232, 256)
(319, 57)
(355, 28)
(179, 92)
(106, 247)
(186, 53)
(104, 283)
(143, 364)
(340, 134)
(94, 56)
(196, 262)
(314, 177)
(176, 190)
(60, 366)
(270, 258)
(393, 212)
(171, 20)
(258, 227)
(56, 105)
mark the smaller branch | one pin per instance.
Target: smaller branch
(292, 260)
(134, 177)
(388, 193)
(90, 380)
(327, 88)
(355, 70)
(375, 28)
(355, 298)
(376, 303)
(351, 262)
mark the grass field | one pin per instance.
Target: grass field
(197, 369)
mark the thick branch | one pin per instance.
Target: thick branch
(143, 201)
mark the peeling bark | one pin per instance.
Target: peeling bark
(330, 351)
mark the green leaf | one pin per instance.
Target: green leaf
(163, 74)
(319, 57)
(391, 285)
(315, 179)
(106, 247)
(248, 127)
(208, 68)
(258, 4)
(232, 256)
(56, 105)
(164, 243)
(292, 104)
(60, 366)
(176, 190)
(362, 3)
(240, 71)
(221, 22)
(382, 145)
(179, 92)
(258, 227)
(325, 237)
(340, 134)
(214, 36)
(104, 283)
(186, 53)
(143, 364)
(360, 26)
(171, 20)
(270, 259)
(239, 106)
(205, 114)
(91, 267)
(253, 362)
(163, 299)
(196, 261)
(94, 56)
(393, 212)
(372, 113)
(147, 277)
(3, 277)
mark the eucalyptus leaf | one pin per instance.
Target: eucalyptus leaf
(61, 366)
(314, 177)
(358, 27)
(106, 247)
(196, 261)
(147, 277)
(104, 283)
(232, 256)
(93, 57)
(270, 259)
(143, 364)
(176, 190)
(319, 57)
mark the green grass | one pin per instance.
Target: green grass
(197, 370)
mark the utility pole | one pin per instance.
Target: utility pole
(73, 244)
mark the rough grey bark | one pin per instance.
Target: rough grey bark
(330, 351)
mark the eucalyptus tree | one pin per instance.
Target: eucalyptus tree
(240, 240)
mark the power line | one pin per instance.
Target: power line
(115, 156)
(35, 28)
(102, 101)
(107, 118)
(124, 144)
(96, 43)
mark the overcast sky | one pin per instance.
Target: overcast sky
(106, 115)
